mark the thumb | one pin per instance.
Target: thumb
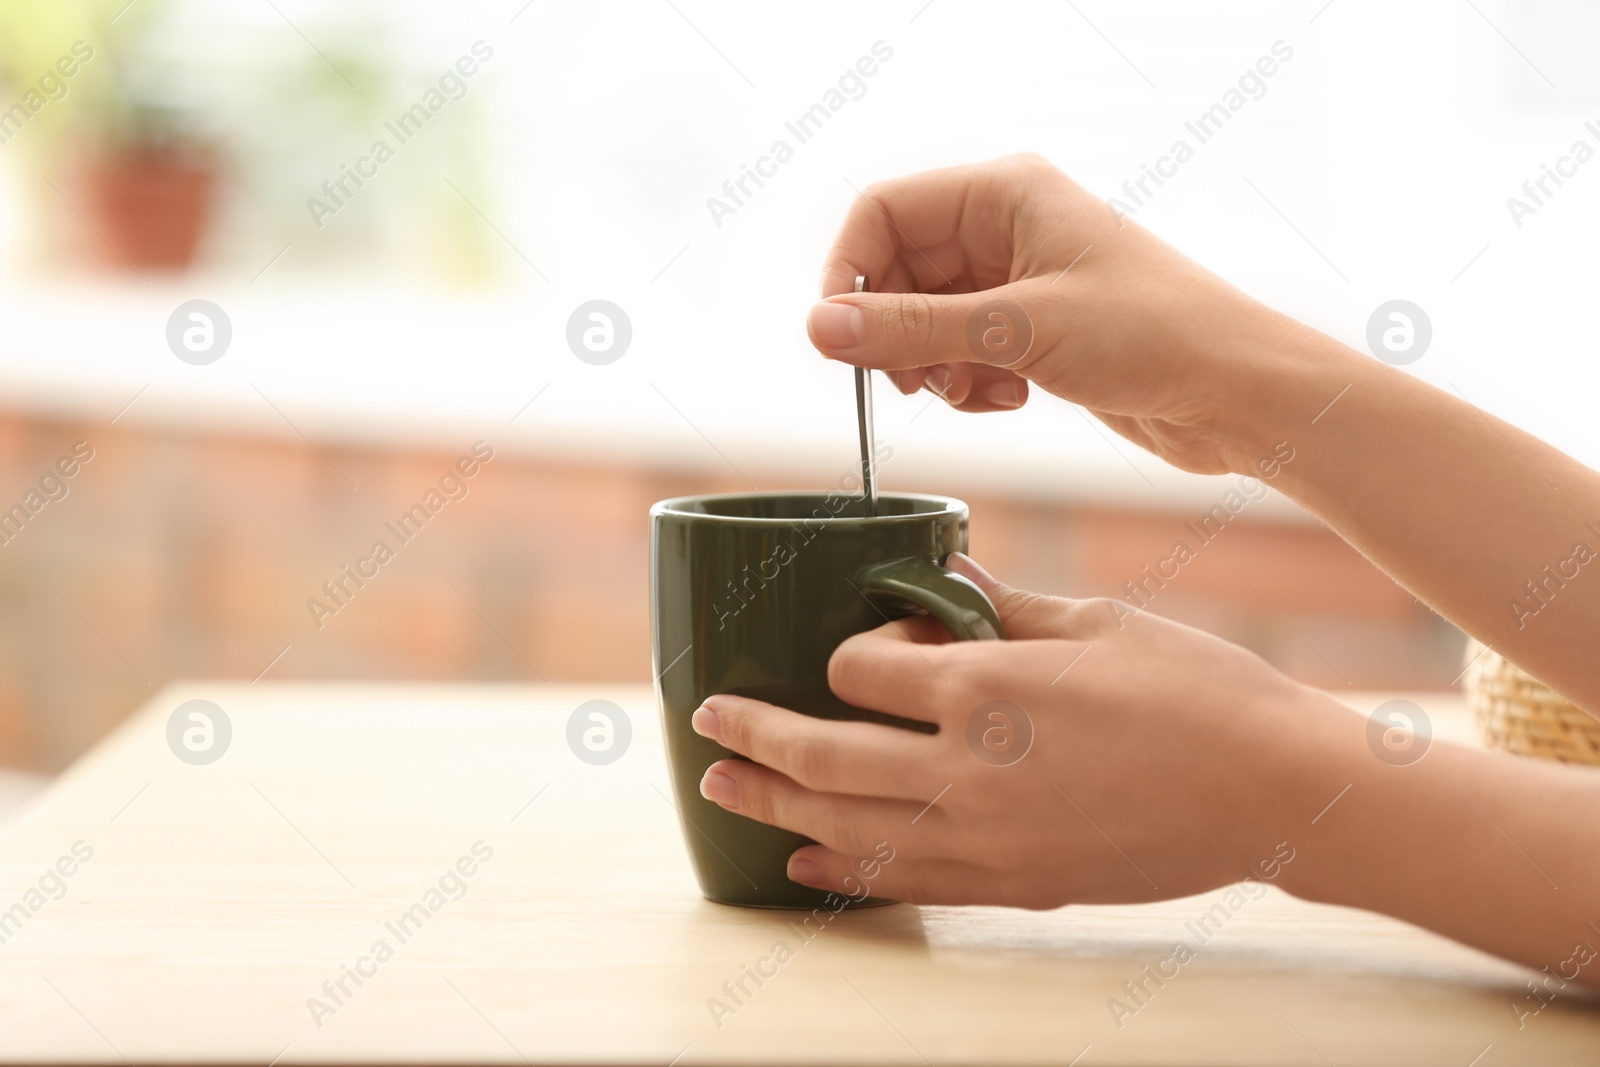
(898, 331)
(1027, 615)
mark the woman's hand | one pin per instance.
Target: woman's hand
(1103, 755)
(1164, 762)
(993, 275)
(1099, 755)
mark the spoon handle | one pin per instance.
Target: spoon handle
(869, 480)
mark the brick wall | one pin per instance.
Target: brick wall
(174, 554)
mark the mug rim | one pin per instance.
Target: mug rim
(677, 506)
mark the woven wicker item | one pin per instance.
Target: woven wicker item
(1516, 712)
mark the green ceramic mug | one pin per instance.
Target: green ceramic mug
(751, 593)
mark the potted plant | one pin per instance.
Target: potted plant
(87, 108)
(188, 129)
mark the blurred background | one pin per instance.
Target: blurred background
(396, 208)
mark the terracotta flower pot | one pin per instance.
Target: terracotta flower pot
(149, 205)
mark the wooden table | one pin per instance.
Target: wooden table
(220, 898)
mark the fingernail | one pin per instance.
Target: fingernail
(835, 325)
(719, 788)
(967, 567)
(1003, 394)
(805, 872)
(706, 723)
(939, 380)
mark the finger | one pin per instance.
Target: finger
(907, 381)
(848, 823)
(946, 230)
(1029, 615)
(951, 682)
(894, 669)
(950, 382)
(895, 330)
(992, 389)
(860, 758)
(913, 668)
(922, 629)
(900, 877)
(903, 234)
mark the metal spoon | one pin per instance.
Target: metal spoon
(869, 481)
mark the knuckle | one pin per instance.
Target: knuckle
(834, 829)
(1017, 600)
(1096, 614)
(1034, 167)
(844, 667)
(735, 729)
(1030, 611)
(807, 761)
(906, 323)
(758, 800)
(877, 194)
(764, 800)
(997, 681)
(975, 668)
(836, 274)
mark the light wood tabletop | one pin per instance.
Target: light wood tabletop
(430, 874)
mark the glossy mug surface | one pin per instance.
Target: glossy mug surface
(750, 595)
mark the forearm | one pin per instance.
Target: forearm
(1495, 851)
(1492, 527)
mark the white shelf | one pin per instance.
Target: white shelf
(405, 371)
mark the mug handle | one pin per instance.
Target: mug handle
(952, 599)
